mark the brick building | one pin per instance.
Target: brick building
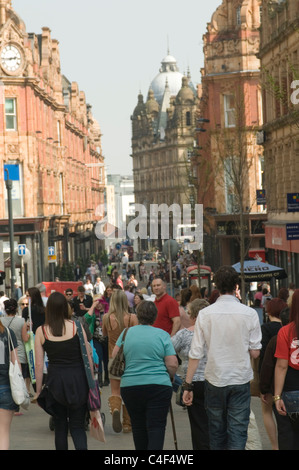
(279, 55)
(228, 161)
(50, 144)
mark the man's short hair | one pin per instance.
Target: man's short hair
(69, 290)
(158, 278)
(146, 312)
(81, 289)
(226, 279)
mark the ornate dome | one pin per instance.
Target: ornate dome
(185, 93)
(140, 108)
(152, 105)
(169, 72)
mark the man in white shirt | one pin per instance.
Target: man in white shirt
(88, 286)
(232, 334)
(2, 300)
(99, 287)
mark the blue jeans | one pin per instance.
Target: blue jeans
(6, 401)
(102, 352)
(228, 410)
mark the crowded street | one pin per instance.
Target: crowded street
(149, 227)
(31, 431)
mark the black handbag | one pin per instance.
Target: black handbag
(118, 364)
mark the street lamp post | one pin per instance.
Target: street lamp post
(8, 184)
(199, 252)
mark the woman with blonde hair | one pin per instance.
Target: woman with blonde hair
(7, 405)
(114, 322)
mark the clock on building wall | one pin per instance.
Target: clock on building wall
(11, 58)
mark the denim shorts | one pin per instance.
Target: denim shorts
(291, 401)
(6, 401)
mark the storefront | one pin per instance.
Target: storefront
(283, 250)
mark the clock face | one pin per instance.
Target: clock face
(11, 58)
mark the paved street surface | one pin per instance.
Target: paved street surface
(31, 430)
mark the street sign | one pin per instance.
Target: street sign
(293, 202)
(292, 231)
(51, 251)
(21, 250)
(51, 254)
(261, 197)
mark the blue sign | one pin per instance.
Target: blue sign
(261, 197)
(293, 202)
(21, 250)
(51, 251)
(13, 170)
(292, 231)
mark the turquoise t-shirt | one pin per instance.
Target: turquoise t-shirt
(145, 348)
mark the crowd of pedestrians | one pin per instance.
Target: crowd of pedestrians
(211, 339)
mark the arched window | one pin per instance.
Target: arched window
(188, 118)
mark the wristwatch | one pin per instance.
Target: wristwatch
(187, 386)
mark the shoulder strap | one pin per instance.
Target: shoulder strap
(44, 332)
(124, 335)
(10, 343)
(84, 355)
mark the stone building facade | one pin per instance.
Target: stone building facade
(228, 160)
(50, 144)
(162, 139)
(279, 55)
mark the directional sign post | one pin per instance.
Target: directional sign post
(22, 253)
(21, 250)
(51, 250)
(51, 254)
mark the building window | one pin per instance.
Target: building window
(11, 114)
(229, 111)
(58, 132)
(188, 118)
(61, 199)
(238, 15)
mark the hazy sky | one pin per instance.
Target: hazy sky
(113, 49)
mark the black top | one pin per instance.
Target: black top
(269, 330)
(37, 316)
(63, 352)
(87, 302)
(66, 378)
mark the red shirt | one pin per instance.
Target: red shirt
(167, 309)
(288, 346)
